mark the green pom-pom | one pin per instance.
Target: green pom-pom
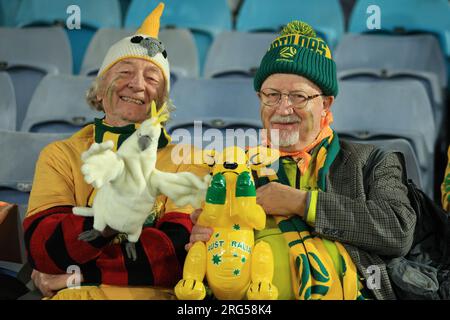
(299, 27)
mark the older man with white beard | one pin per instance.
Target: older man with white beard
(328, 228)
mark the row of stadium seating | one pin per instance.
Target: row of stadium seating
(206, 19)
(33, 53)
(364, 109)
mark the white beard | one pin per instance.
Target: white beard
(286, 138)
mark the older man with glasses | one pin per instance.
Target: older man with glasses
(329, 229)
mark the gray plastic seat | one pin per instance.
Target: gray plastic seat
(394, 108)
(59, 105)
(18, 160)
(29, 55)
(180, 44)
(219, 104)
(7, 103)
(383, 56)
(226, 58)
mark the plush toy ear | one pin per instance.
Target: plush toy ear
(260, 157)
(209, 157)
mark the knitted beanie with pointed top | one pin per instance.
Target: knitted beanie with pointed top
(143, 45)
(299, 51)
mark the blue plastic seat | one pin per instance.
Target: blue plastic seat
(219, 104)
(8, 12)
(7, 103)
(224, 60)
(406, 16)
(29, 56)
(18, 159)
(389, 109)
(382, 56)
(94, 15)
(324, 16)
(204, 18)
(59, 105)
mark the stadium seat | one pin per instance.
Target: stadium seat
(392, 108)
(8, 12)
(180, 44)
(7, 103)
(383, 56)
(204, 18)
(270, 15)
(18, 159)
(29, 56)
(93, 15)
(225, 56)
(404, 16)
(398, 145)
(219, 104)
(59, 105)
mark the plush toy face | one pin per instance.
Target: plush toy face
(235, 159)
(148, 134)
(232, 159)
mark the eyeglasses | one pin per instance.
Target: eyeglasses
(298, 99)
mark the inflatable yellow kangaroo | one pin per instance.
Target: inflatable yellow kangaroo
(233, 265)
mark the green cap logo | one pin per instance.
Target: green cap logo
(288, 52)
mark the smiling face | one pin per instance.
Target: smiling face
(296, 127)
(127, 90)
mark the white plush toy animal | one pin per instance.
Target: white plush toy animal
(128, 183)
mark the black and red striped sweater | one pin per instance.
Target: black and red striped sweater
(52, 246)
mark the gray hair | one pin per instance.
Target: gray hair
(94, 103)
(91, 95)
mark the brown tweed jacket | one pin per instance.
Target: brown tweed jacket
(374, 226)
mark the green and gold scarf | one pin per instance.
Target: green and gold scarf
(314, 273)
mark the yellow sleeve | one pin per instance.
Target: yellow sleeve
(311, 208)
(445, 187)
(53, 183)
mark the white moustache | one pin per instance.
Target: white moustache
(285, 119)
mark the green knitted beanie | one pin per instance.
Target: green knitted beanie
(298, 50)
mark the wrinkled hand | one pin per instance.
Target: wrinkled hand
(199, 233)
(279, 199)
(101, 164)
(49, 284)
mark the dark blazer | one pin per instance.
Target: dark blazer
(373, 226)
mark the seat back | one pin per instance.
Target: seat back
(59, 105)
(7, 103)
(406, 15)
(8, 12)
(18, 160)
(218, 103)
(29, 56)
(394, 108)
(225, 56)
(324, 16)
(387, 52)
(92, 15)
